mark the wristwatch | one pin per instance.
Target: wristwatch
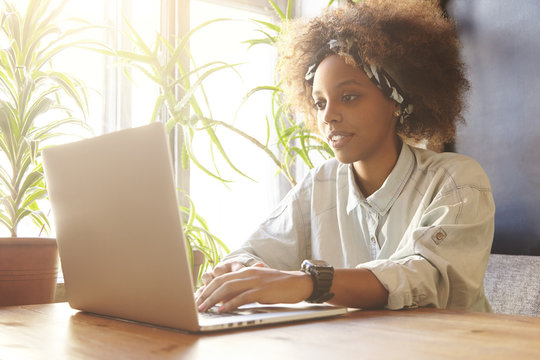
(322, 275)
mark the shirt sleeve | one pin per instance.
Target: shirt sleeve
(442, 258)
(282, 240)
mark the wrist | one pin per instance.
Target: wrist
(302, 283)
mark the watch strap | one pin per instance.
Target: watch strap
(322, 277)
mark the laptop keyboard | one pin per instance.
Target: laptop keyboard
(213, 313)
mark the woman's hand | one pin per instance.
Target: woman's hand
(221, 269)
(253, 284)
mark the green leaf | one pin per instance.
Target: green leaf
(186, 98)
(185, 157)
(278, 11)
(71, 87)
(254, 42)
(33, 196)
(157, 107)
(41, 220)
(181, 46)
(43, 131)
(40, 106)
(136, 57)
(31, 180)
(270, 26)
(217, 143)
(188, 146)
(6, 221)
(138, 40)
(5, 179)
(250, 93)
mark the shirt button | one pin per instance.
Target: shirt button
(373, 239)
(440, 236)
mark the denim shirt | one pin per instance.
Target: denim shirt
(426, 234)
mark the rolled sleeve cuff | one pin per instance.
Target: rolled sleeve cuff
(407, 282)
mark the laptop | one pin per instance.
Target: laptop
(120, 237)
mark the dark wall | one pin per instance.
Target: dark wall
(501, 46)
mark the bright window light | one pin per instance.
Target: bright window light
(234, 211)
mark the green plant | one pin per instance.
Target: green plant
(33, 98)
(199, 236)
(293, 138)
(183, 96)
(170, 74)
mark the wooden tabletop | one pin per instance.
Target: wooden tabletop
(55, 331)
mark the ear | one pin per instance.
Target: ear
(397, 110)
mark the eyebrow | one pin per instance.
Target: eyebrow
(345, 83)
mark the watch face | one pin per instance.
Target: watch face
(320, 263)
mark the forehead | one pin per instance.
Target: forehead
(334, 71)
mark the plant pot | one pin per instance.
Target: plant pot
(28, 270)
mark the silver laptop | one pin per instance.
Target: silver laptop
(120, 236)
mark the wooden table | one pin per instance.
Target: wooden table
(55, 331)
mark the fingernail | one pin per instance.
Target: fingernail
(202, 307)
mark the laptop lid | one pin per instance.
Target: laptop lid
(120, 236)
(118, 227)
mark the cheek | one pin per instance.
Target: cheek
(320, 123)
(381, 114)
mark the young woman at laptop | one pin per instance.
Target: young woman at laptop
(388, 224)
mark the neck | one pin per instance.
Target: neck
(371, 174)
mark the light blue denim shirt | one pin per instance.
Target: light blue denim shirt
(426, 234)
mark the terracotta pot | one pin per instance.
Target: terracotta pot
(28, 270)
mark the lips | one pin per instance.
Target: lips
(338, 139)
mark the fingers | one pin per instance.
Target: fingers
(224, 288)
(207, 277)
(224, 293)
(246, 297)
(254, 284)
(221, 269)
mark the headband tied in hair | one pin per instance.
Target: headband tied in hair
(376, 74)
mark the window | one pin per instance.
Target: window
(116, 102)
(234, 210)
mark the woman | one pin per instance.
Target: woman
(388, 224)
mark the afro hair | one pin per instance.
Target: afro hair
(411, 39)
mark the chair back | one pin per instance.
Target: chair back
(512, 284)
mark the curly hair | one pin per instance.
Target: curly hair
(410, 39)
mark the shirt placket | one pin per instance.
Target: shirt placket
(373, 223)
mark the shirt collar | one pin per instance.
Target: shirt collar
(383, 199)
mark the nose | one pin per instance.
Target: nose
(330, 114)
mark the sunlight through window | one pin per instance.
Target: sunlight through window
(234, 210)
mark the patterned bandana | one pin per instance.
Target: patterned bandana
(376, 74)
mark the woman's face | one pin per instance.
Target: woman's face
(352, 113)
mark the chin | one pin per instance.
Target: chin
(344, 159)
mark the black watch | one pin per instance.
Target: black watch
(322, 275)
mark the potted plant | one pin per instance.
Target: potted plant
(33, 95)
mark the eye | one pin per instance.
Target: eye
(319, 104)
(349, 97)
